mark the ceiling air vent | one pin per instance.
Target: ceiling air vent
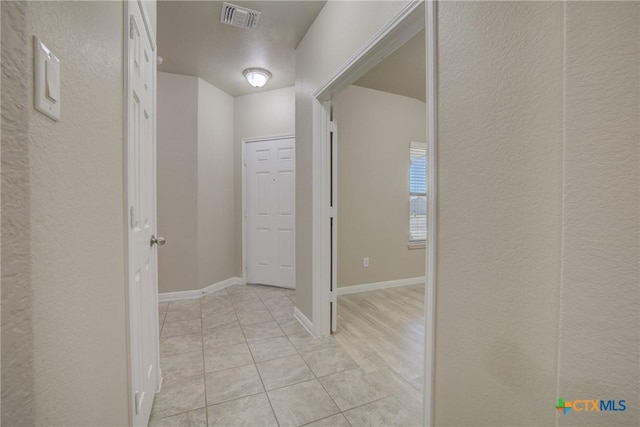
(239, 16)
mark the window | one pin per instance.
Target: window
(417, 193)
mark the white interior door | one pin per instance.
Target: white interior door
(141, 187)
(270, 212)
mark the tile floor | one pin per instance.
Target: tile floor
(238, 357)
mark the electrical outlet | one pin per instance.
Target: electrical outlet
(365, 262)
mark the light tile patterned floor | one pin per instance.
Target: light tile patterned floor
(239, 358)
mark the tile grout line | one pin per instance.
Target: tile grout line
(317, 379)
(182, 412)
(164, 316)
(326, 418)
(297, 351)
(255, 365)
(204, 368)
(369, 403)
(328, 394)
(177, 413)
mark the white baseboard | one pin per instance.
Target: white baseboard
(174, 296)
(304, 321)
(380, 285)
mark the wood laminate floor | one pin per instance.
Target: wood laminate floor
(383, 331)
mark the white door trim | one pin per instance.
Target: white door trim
(243, 165)
(431, 21)
(127, 10)
(408, 22)
(321, 233)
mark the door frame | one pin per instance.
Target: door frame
(127, 9)
(406, 24)
(243, 165)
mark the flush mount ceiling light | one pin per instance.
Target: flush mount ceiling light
(257, 77)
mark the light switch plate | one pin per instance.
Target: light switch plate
(46, 72)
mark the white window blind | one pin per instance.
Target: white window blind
(417, 193)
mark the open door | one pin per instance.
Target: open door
(140, 95)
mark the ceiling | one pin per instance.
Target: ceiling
(192, 41)
(403, 72)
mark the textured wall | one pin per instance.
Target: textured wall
(262, 114)
(18, 406)
(374, 132)
(216, 216)
(539, 213)
(66, 178)
(499, 212)
(338, 32)
(177, 179)
(600, 304)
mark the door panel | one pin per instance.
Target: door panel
(270, 208)
(262, 250)
(143, 291)
(286, 243)
(285, 154)
(263, 196)
(285, 195)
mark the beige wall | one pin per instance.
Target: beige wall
(268, 113)
(216, 216)
(338, 32)
(200, 131)
(177, 182)
(374, 132)
(499, 212)
(600, 304)
(195, 184)
(65, 357)
(538, 211)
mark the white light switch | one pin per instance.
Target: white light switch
(46, 80)
(52, 73)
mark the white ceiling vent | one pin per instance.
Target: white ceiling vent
(239, 16)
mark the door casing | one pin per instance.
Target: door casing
(406, 24)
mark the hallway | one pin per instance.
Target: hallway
(533, 213)
(242, 355)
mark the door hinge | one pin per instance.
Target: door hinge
(132, 26)
(333, 296)
(332, 212)
(333, 127)
(137, 402)
(131, 216)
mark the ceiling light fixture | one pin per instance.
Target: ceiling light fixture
(257, 77)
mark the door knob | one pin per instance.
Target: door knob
(157, 240)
